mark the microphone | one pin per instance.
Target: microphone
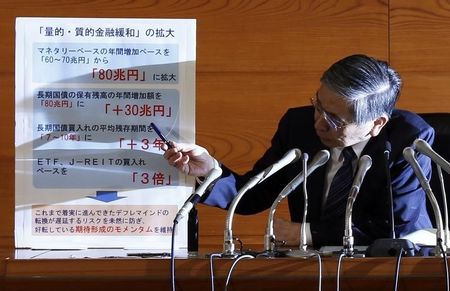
(364, 164)
(408, 154)
(318, 160)
(212, 176)
(290, 157)
(303, 244)
(384, 247)
(424, 148)
(387, 154)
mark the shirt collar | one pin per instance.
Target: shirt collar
(357, 148)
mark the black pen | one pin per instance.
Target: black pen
(161, 136)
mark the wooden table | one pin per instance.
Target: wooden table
(193, 273)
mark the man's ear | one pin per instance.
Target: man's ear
(378, 124)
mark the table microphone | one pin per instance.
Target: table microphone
(318, 160)
(386, 247)
(408, 154)
(228, 244)
(424, 148)
(213, 175)
(364, 164)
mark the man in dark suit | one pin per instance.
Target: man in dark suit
(352, 111)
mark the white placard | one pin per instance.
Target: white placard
(89, 167)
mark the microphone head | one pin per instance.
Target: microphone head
(408, 154)
(424, 148)
(289, 157)
(421, 145)
(388, 146)
(215, 173)
(365, 162)
(387, 150)
(212, 176)
(305, 157)
(320, 158)
(293, 154)
(216, 166)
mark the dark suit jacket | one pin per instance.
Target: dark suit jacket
(371, 212)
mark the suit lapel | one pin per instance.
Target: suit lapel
(373, 189)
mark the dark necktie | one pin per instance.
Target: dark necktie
(340, 187)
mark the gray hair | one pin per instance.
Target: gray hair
(369, 86)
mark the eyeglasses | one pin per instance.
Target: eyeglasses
(333, 121)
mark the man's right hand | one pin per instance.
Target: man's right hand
(287, 231)
(190, 159)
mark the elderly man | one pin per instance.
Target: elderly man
(351, 114)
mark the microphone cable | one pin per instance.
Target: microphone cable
(387, 154)
(221, 255)
(397, 269)
(211, 268)
(232, 268)
(172, 256)
(319, 258)
(303, 244)
(444, 202)
(444, 256)
(338, 271)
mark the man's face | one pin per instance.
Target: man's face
(330, 107)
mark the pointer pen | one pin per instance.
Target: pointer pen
(161, 136)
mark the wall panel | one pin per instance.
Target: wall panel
(254, 60)
(419, 49)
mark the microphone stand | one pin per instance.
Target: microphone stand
(387, 153)
(390, 246)
(303, 244)
(212, 176)
(444, 202)
(424, 148)
(228, 244)
(303, 251)
(269, 238)
(348, 239)
(408, 153)
(364, 164)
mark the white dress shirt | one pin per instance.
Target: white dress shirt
(335, 162)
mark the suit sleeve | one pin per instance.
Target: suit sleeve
(409, 198)
(261, 196)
